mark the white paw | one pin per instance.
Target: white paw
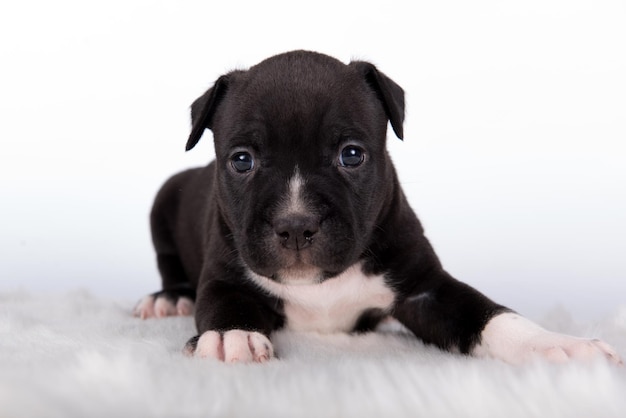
(516, 340)
(235, 346)
(162, 306)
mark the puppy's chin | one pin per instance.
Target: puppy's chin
(299, 275)
(294, 274)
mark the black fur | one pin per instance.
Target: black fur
(211, 224)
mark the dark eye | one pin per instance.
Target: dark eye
(351, 156)
(242, 162)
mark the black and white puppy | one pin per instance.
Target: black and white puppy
(301, 223)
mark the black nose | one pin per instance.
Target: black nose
(296, 232)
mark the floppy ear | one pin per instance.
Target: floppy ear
(390, 94)
(203, 109)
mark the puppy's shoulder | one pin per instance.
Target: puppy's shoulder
(190, 178)
(183, 186)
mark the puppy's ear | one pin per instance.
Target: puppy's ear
(203, 109)
(390, 94)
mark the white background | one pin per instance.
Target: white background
(513, 158)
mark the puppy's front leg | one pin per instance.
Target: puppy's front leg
(454, 316)
(234, 324)
(445, 312)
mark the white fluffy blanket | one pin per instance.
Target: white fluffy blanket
(77, 355)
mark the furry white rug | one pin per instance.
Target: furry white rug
(76, 355)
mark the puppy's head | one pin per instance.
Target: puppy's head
(303, 174)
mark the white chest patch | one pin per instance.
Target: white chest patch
(334, 305)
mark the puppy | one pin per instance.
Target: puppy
(301, 223)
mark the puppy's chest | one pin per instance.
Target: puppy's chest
(334, 305)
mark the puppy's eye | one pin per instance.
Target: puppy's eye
(242, 162)
(351, 156)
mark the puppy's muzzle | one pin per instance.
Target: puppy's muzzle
(296, 232)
